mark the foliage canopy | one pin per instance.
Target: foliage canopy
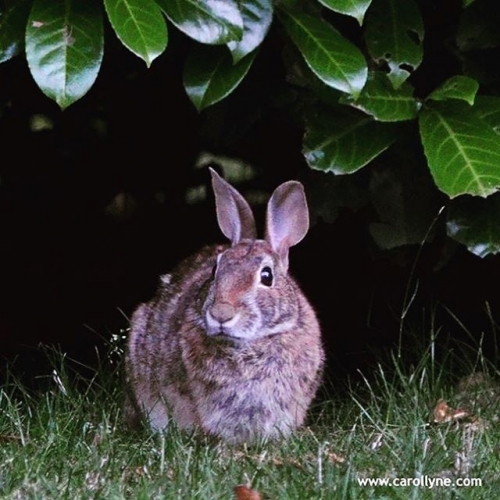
(357, 72)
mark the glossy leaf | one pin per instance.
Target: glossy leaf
(140, 26)
(475, 223)
(394, 34)
(344, 142)
(386, 104)
(210, 75)
(64, 47)
(213, 22)
(487, 108)
(353, 8)
(462, 150)
(257, 18)
(332, 58)
(12, 29)
(457, 87)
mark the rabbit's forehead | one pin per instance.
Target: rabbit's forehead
(248, 252)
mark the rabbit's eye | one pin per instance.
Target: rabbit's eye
(266, 276)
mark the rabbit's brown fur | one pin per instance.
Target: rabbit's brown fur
(224, 350)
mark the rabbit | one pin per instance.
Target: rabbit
(230, 345)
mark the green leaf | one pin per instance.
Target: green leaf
(405, 200)
(353, 8)
(457, 87)
(475, 223)
(342, 142)
(140, 26)
(64, 47)
(12, 29)
(213, 22)
(394, 34)
(257, 18)
(332, 58)
(462, 150)
(488, 109)
(210, 75)
(386, 104)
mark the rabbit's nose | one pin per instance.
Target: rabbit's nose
(223, 312)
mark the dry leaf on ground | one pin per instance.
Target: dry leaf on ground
(243, 492)
(443, 413)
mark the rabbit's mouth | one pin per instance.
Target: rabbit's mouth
(225, 335)
(221, 333)
(224, 339)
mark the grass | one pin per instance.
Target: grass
(64, 439)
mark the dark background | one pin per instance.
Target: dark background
(92, 210)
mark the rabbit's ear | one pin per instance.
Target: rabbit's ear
(287, 220)
(233, 212)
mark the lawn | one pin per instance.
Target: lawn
(422, 416)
